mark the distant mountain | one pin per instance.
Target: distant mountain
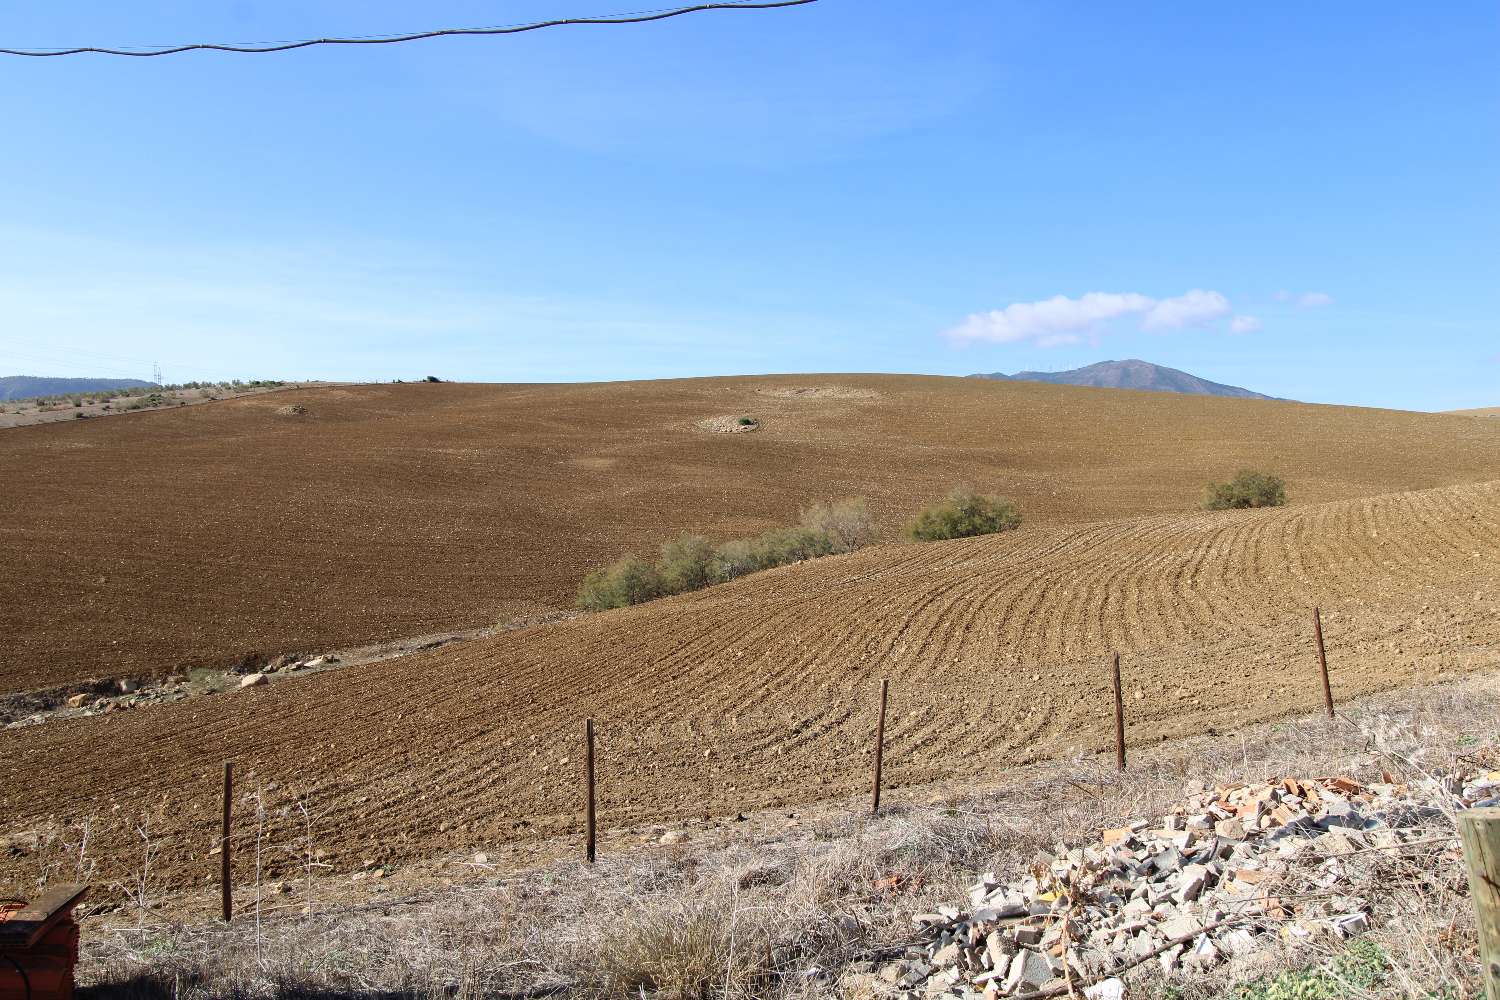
(25, 386)
(1131, 374)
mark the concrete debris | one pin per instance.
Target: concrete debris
(1234, 870)
(254, 680)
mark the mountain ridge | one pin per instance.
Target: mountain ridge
(16, 387)
(1132, 373)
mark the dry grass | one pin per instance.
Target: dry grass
(813, 914)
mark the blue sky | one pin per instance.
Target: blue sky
(1300, 198)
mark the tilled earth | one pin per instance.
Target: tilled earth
(762, 692)
(307, 520)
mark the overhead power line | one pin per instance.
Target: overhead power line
(513, 29)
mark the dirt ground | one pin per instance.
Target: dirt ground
(761, 693)
(164, 540)
(29, 412)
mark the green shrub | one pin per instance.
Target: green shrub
(964, 514)
(1247, 489)
(626, 581)
(747, 421)
(1356, 971)
(686, 564)
(774, 548)
(692, 563)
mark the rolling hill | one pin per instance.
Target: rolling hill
(311, 519)
(761, 692)
(13, 387)
(1131, 374)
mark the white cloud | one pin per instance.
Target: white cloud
(1245, 324)
(1305, 300)
(1192, 309)
(1061, 320)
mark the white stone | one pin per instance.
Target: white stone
(1109, 989)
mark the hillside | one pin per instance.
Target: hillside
(310, 519)
(1483, 411)
(28, 386)
(760, 692)
(1131, 374)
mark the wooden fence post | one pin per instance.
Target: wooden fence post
(885, 687)
(225, 889)
(1323, 661)
(588, 781)
(1480, 830)
(1119, 718)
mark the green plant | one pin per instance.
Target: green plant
(628, 580)
(747, 421)
(686, 564)
(1247, 489)
(691, 562)
(964, 514)
(1360, 967)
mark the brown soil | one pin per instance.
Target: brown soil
(29, 412)
(818, 392)
(200, 535)
(728, 424)
(760, 692)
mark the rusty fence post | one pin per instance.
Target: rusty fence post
(1119, 717)
(225, 889)
(885, 687)
(590, 831)
(1323, 661)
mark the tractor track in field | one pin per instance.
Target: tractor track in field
(760, 692)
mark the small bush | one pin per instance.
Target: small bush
(964, 514)
(686, 564)
(747, 421)
(1247, 489)
(775, 548)
(626, 581)
(692, 563)
(847, 524)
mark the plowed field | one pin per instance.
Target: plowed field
(762, 691)
(144, 543)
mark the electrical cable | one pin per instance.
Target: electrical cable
(636, 18)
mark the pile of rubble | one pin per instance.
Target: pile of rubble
(103, 697)
(1228, 873)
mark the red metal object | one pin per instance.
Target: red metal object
(39, 946)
